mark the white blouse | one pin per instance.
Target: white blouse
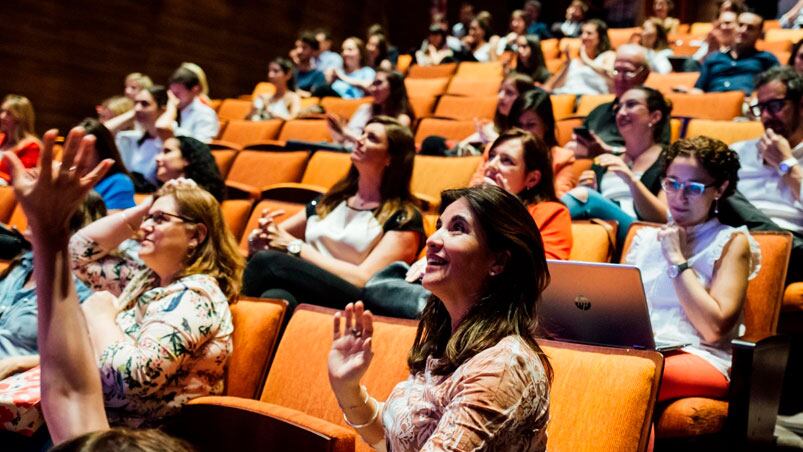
(581, 79)
(704, 246)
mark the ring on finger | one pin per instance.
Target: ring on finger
(355, 332)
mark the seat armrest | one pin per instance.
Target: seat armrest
(293, 192)
(225, 144)
(757, 372)
(238, 190)
(234, 423)
(793, 297)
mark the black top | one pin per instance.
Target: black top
(602, 121)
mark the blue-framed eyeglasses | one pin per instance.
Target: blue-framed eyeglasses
(691, 189)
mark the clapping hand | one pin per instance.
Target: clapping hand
(673, 241)
(351, 352)
(259, 240)
(774, 148)
(617, 165)
(594, 147)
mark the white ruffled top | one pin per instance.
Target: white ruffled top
(704, 245)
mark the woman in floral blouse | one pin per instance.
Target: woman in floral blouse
(160, 332)
(478, 381)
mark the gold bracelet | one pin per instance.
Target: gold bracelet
(370, 421)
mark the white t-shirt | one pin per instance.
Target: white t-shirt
(582, 79)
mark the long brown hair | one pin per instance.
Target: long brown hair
(395, 185)
(508, 304)
(537, 156)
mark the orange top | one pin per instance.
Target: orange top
(555, 224)
(28, 152)
(562, 160)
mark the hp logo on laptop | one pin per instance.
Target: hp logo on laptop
(582, 303)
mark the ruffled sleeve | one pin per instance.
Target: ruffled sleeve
(722, 241)
(644, 235)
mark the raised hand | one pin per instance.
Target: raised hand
(351, 352)
(618, 166)
(51, 195)
(774, 148)
(673, 242)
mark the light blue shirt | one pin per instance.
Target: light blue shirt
(328, 59)
(346, 91)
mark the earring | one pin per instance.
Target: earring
(716, 206)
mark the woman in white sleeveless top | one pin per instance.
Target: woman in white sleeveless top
(695, 269)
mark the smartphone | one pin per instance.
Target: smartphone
(583, 133)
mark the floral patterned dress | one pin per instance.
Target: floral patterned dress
(178, 337)
(497, 400)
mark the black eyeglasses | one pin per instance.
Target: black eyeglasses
(629, 74)
(691, 189)
(772, 105)
(164, 217)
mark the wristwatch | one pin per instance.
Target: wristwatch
(675, 270)
(294, 248)
(787, 165)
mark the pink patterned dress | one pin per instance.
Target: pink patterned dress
(497, 400)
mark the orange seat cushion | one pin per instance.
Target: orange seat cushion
(691, 416)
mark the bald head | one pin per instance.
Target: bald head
(630, 68)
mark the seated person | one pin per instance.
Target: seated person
(353, 80)
(796, 58)
(435, 50)
(466, 15)
(625, 187)
(770, 174)
(116, 188)
(307, 77)
(474, 356)
(188, 158)
(389, 99)
(113, 107)
(630, 70)
(518, 28)
(575, 16)
(591, 72)
(719, 39)
(284, 103)
(139, 147)
(18, 349)
(17, 134)
(530, 59)
(532, 12)
(653, 38)
(377, 49)
(478, 40)
(325, 59)
(794, 17)
(185, 108)
(695, 269)
(136, 82)
(327, 252)
(203, 96)
(660, 11)
(736, 69)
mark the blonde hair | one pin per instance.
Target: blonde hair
(201, 76)
(140, 79)
(218, 254)
(118, 104)
(22, 110)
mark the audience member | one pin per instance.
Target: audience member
(625, 187)
(124, 440)
(653, 38)
(116, 187)
(392, 52)
(575, 17)
(736, 69)
(719, 39)
(136, 82)
(630, 70)
(474, 356)
(325, 253)
(17, 134)
(439, 19)
(796, 58)
(389, 99)
(590, 73)
(18, 349)
(202, 80)
(794, 17)
(353, 80)
(185, 108)
(518, 27)
(460, 29)
(139, 147)
(770, 174)
(530, 58)
(477, 41)
(435, 50)
(532, 12)
(113, 106)
(734, 6)
(284, 103)
(695, 269)
(307, 77)
(188, 158)
(376, 48)
(661, 10)
(325, 59)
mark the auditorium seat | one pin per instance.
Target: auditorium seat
(562, 105)
(236, 213)
(306, 130)
(554, 65)
(782, 34)
(426, 87)
(224, 158)
(726, 105)
(7, 203)
(243, 132)
(289, 208)
(437, 71)
(447, 128)
(323, 170)
(593, 240)
(747, 418)
(589, 102)
(666, 82)
(728, 131)
(550, 49)
(432, 175)
(234, 109)
(343, 108)
(619, 36)
(403, 63)
(263, 88)
(422, 106)
(466, 108)
(476, 70)
(253, 171)
(701, 29)
(564, 128)
(474, 87)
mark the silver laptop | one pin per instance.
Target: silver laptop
(600, 304)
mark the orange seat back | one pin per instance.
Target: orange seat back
(564, 128)
(266, 88)
(326, 168)
(422, 106)
(262, 168)
(233, 109)
(592, 241)
(403, 63)
(725, 106)
(728, 131)
(467, 108)
(550, 48)
(18, 219)
(665, 82)
(343, 108)
(224, 158)
(243, 132)
(589, 102)
(447, 128)
(7, 203)
(256, 329)
(474, 87)
(305, 129)
(289, 209)
(476, 70)
(437, 71)
(236, 213)
(419, 87)
(784, 34)
(562, 105)
(619, 36)
(432, 175)
(701, 28)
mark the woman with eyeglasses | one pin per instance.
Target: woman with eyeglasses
(695, 269)
(625, 187)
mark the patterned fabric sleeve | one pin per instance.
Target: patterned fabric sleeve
(165, 338)
(101, 269)
(498, 398)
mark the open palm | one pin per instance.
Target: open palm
(351, 352)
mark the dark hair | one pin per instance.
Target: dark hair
(737, 6)
(523, 83)
(795, 50)
(670, 5)
(655, 102)
(719, 161)
(185, 77)
(104, 145)
(583, 5)
(287, 67)
(382, 47)
(201, 166)
(395, 186)
(483, 20)
(308, 38)
(159, 94)
(124, 440)
(508, 304)
(436, 29)
(602, 31)
(534, 66)
(786, 75)
(537, 156)
(539, 102)
(661, 39)
(375, 29)
(397, 102)
(327, 35)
